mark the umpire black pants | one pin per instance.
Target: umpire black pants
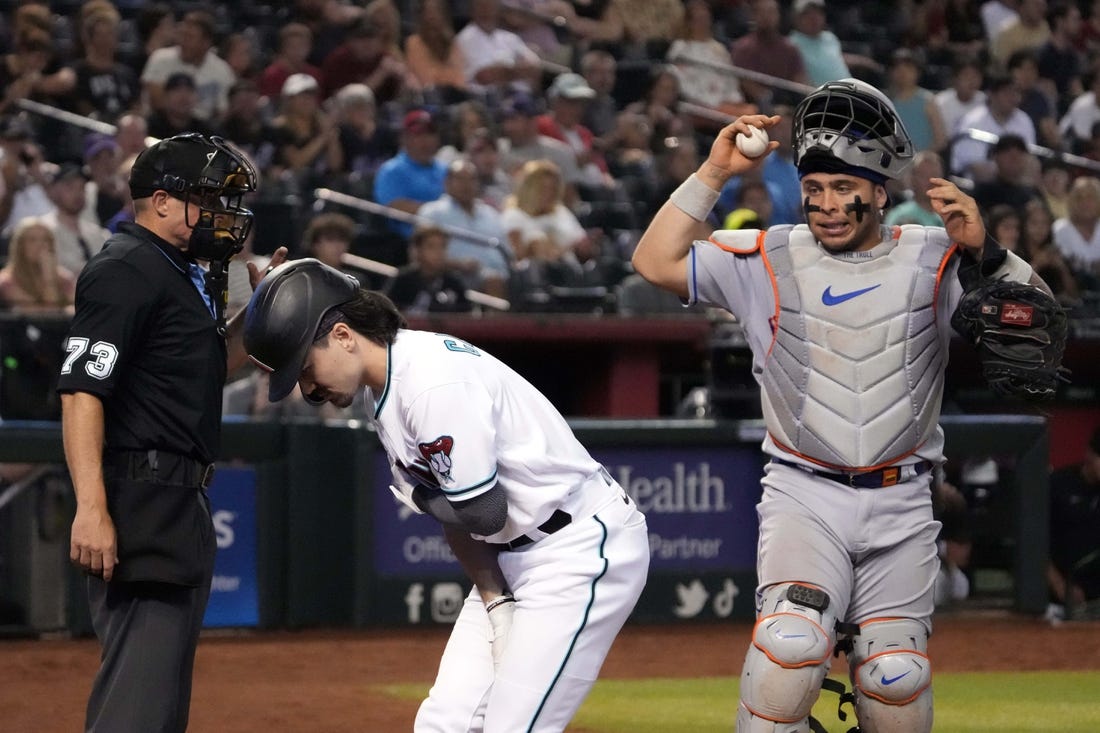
(149, 632)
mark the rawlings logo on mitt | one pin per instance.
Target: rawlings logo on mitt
(1020, 333)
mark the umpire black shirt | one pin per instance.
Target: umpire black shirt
(144, 341)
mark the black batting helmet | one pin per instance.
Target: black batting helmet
(284, 314)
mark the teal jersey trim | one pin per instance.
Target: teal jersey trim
(385, 390)
(455, 493)
(584, 622)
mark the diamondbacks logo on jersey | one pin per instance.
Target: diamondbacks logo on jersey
(438, 455)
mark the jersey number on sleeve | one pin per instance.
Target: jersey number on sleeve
(456, 345)
(100, 367)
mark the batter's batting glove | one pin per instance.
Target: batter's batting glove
(500, 611)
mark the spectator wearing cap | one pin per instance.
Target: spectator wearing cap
(767, 50)
(77, 238)
(1014, 168)
(106, 190)
(480, 261)
(495, 57)
(176, 113)
(521, 142)
(291, 57)
(1000, 115)
(569, 95)
(916, 106)
(307, 139)
(193, 55)
(363, 58)
(413, 176)
(821, 51)
(104, 88)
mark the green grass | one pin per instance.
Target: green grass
(980, 702)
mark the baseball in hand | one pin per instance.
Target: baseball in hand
(755, 145)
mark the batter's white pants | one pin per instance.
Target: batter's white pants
(574, 591)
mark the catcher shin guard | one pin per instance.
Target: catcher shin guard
(788, 658)
(892, 677)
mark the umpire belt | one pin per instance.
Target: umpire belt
(160, 466)
(868, 479)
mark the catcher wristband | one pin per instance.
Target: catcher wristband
(498, 601)
(694, 198)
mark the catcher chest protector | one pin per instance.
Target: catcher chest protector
(1020, 334)
(857, 383)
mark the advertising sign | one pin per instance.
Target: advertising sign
(700, 506)
(234, 600)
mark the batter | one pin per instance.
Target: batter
(849, 325)
(557, 551)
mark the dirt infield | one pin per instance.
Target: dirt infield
(324, 682)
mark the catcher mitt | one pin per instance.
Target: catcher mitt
(1020, 333)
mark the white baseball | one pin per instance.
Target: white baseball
(753, 146)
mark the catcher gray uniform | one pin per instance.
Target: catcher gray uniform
(849, 325)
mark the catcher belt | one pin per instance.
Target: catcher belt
(868, 479)
(160, 466)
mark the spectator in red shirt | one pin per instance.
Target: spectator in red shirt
(363, 58)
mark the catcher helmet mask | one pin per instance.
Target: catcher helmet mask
(284, 314)
(849, 126)
(209, 174)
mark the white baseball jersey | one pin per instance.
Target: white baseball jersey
(455, 418)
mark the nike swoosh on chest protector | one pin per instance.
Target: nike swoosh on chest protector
(829, 299)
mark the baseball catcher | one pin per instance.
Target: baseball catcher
(1020, 333)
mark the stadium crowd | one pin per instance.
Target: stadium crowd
(518, 147)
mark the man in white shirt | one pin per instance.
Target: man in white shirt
(195, 56)
(481, 261)
(495, 57)
(1000, 115)
(963, 95)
